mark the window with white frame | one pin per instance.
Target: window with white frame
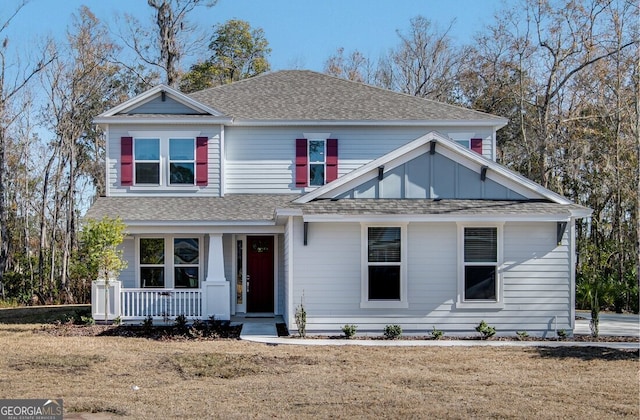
(481, 256)
(152, 262)
(182, 161)
(317, 162)
(384, 266)
(146, 154)
(169, 262)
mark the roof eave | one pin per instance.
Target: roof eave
(495, 123)
(182, 119)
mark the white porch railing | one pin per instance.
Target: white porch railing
(160, 303)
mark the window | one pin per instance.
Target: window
(165, 159)
(152, 262)
(181, 161)
(147, 161)
(384, 283)
(169, 262)
(317, 161)
(479, 273)
(186, 261)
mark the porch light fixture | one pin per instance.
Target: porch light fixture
(163, 96)
(305, 233)
(432, 147)
(380, 173)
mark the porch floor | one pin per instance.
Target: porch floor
(261, 326)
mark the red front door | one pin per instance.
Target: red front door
(260, 273)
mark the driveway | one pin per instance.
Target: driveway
(611, 324)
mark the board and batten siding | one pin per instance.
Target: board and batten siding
(117, 131)
(261, 159)
(535, 276)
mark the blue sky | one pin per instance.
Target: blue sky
(301, 33)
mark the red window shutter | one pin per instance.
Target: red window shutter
(332, 160)
(202, 161)
(126, 161)
(302, 163)
(476, 145)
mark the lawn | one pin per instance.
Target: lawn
(237, 379)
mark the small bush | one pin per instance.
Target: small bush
(562, 334)
(301, 320)
(181, 322)
(147, 323)
(349, 330)
(486, 330)
(436, 334)
(87, 320)
(117, 321)
(522, 335)
(391, 332)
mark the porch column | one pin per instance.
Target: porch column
(216, 292)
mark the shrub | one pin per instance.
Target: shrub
(486, 330)
(301, 320)
(522, 335)
(181, 322)
(391, 332)
(147, 323)
(563, 334)
(117, 320)
(436, 334)
(349, 330)
(87, 320)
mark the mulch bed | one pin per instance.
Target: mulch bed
(202, 331)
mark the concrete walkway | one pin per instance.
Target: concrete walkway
(263, 330)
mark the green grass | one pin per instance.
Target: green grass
(42, 314)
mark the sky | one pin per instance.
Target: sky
(301, 33)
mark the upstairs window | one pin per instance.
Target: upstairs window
(317, 162)
(178, 159)
(147, 161)
(181, 161)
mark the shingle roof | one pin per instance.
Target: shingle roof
(236, 208)
(301, 95)
(262, 207)
(372, 206)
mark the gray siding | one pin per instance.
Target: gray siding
(535, 276)
(261, 159)
(128, 275)
(157, 106)
(432, 176)
(116, 132)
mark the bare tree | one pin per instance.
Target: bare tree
(355, 66)
(11, 86)
(168, 40)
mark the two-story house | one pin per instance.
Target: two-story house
(370, 207)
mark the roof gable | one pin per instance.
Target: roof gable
(161, 100)
(302, 95)
(444, 170)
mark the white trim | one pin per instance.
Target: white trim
(223, 160)
(496, 123)
(364, 268)
(572, 273)
(461, 303)
(408, 218)
(289, 315)
(107, 162)
(162, 120)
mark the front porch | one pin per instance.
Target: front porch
(126, 304)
